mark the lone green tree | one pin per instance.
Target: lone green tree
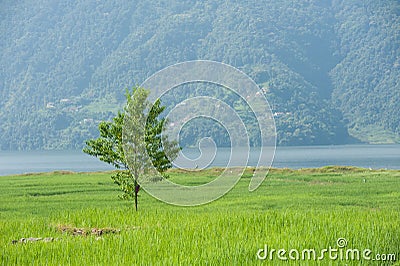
(146, 144)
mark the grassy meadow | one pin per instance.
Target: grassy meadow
(85, 223)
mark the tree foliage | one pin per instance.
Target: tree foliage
(145, 140)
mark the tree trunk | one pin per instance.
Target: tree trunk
(136, 194)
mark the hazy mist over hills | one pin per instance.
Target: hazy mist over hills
(329, 69)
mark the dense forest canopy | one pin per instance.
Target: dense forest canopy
(329, 69)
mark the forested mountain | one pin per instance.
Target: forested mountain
(329, 69)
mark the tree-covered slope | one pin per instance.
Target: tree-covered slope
(367, 80)
(327, 67)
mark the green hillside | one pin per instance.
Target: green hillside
(329, 69)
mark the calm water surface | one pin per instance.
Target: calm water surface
(368, 156)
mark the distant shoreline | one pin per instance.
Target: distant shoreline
(323, 169)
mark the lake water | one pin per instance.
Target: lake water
(368, 156)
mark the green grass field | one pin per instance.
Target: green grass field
(293, 209)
